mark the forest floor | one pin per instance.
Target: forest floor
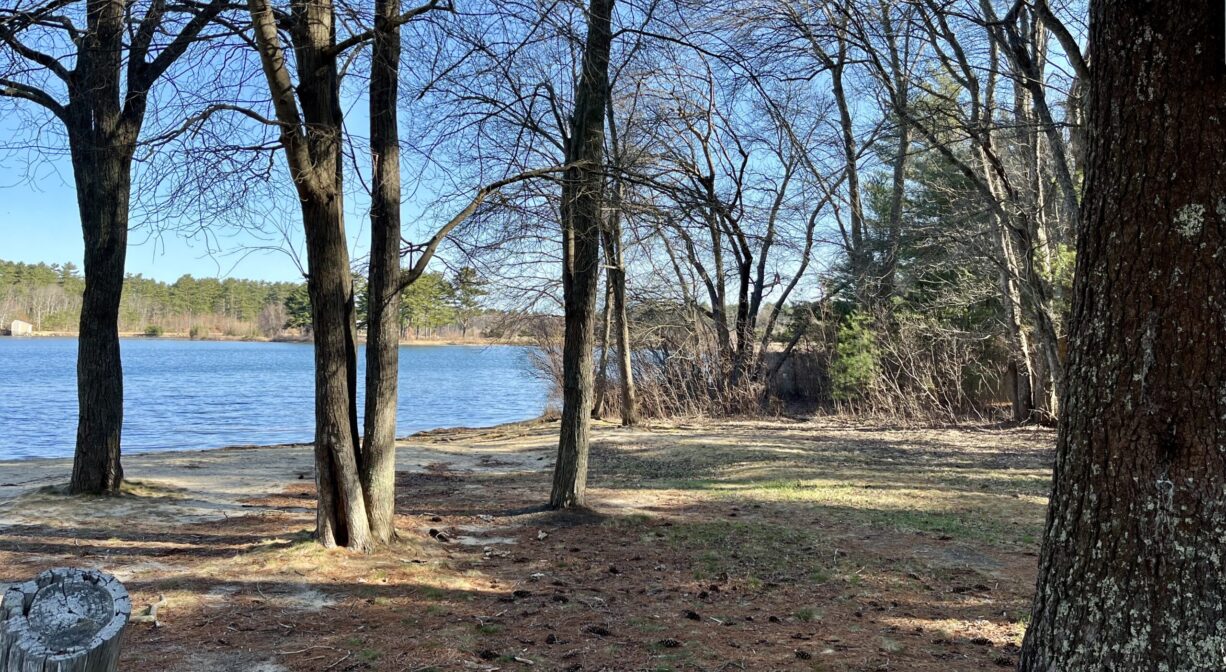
(710, 546)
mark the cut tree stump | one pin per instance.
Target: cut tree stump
(65, 620)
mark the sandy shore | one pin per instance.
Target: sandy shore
(203, 485)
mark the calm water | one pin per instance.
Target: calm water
(201, 394)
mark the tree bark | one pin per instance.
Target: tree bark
(901, 96)
(1021, 385)
(898, 191)
(858, 255)
(602, 365)
(615, 279)
(341, 513)
(582, 198)
(310, 117)
(625, 366)
(103, 187)
(378, 465)
(1131, 572)
(102, 140)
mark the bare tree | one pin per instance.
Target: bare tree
(616, 314)
(92, 65)
(304, 86)
(378, 468)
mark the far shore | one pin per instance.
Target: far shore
(174, 336)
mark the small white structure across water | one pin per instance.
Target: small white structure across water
(21, 328)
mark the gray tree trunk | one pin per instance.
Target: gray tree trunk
(602, 365)
(1021, 386)
(615, 279)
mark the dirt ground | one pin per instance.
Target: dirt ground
(729, 546)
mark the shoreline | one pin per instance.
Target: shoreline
(198, 485)
(436, 435)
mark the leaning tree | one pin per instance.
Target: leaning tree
(1131, 573)
(92, 66)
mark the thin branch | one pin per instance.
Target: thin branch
(366, 35)
(428, 248)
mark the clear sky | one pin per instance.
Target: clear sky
(39, 222)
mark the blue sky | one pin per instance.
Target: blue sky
(39, 222)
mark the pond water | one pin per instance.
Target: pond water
(206, 394)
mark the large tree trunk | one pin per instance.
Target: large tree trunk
(378, 467)
(103, 186)
(582, 197)
(1131, 573)
(102, 143)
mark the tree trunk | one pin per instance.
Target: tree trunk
(378, 465)
(625, 367)
(341, 513)
(857, 254)
(103, 186)
(1048, 368)
(901, 95)
(102, 138)
(602, 365)
(582, 197)
(1130, 577)
(310, 121)
(615, 279)
(898, 191)
(1021, 389)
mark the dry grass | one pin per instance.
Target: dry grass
(732, 546)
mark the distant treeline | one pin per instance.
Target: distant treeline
(48, 296)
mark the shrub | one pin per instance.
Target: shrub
(153, 330)
(857, 362)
